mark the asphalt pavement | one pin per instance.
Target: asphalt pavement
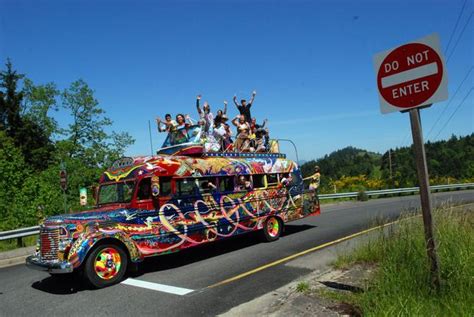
(180, 284)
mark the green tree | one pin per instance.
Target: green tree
(10, 100)
(87, 148)
(86, 135)
(39, 101)
(27, 134)
(14, 172)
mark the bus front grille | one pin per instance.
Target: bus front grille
(49, 243)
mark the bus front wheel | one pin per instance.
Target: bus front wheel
(106, 265)
(272, 229)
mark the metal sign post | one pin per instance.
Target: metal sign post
(425, 195)
(63, 183)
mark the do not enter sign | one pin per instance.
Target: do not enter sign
(412, 75)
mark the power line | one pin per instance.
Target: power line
(446, 50)
(447, 105)
(459, 37)
(455, 27)
(457, 108)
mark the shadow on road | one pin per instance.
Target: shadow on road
(64, 284)
(207, 251)
(72, 283)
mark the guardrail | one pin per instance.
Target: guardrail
(25, 232)
(394, 191)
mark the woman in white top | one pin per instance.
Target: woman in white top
(242, 142)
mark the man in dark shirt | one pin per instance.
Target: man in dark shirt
(244, 107)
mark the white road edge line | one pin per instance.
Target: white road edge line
(158, 287)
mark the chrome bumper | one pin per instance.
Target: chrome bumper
(34, 262)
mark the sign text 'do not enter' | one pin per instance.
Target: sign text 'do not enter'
(411, 75)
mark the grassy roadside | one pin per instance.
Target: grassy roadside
(12, 244)
(400, 284)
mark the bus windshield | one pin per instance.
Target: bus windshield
(116, 193)
(190, 134)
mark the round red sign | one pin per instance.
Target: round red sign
(410, 75)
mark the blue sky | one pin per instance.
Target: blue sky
(310, 62)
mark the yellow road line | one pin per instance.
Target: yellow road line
(291, 257)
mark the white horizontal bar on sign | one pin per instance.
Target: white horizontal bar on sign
(408, 75)
(157, 287)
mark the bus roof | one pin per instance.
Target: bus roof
(186, 166)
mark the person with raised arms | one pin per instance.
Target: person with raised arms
(205, 115)
(169, 124)
(244, 107)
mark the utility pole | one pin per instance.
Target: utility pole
(390, 166)
(151, 142)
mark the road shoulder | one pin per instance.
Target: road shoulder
(290, 300)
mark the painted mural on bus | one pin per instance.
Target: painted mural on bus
(155, 205)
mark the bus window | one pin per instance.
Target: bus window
(186, 186)
(226, 184)
(128, 191)
(272, 179)
(258, 181)
(243, 182)
(116, 192)
(206, 185)
(144, 189)
(165, 186)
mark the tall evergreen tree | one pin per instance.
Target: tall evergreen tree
(27, 134)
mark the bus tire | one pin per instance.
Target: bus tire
(272, 229)
(106, 265)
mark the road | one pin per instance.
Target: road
(27, 292)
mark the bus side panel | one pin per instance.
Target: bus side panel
(186, 222)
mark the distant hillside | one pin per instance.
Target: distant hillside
(349, 161)
(448, 161)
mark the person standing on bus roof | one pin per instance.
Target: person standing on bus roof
(228, 142)
(244, 107)
(242, 142)
(180, 134)
(205, 115)
(260, 132)
(220, 113)
(169, 124)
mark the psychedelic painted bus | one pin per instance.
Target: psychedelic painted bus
(155, 205)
